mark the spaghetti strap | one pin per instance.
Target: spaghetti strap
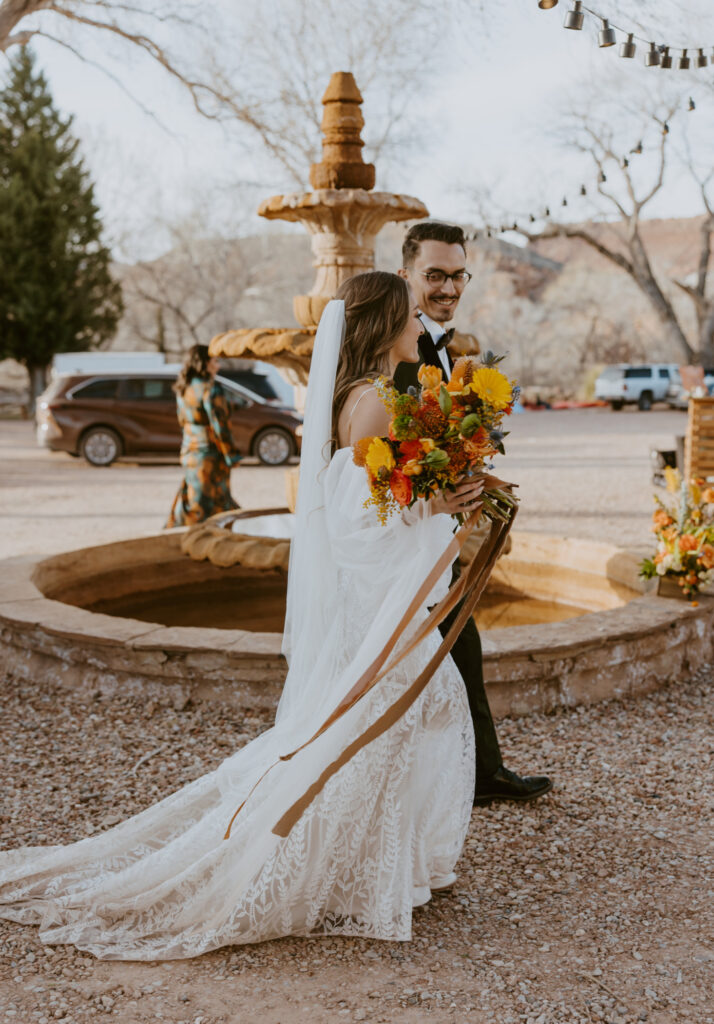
(352, 410)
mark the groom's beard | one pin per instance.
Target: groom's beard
(441, 308)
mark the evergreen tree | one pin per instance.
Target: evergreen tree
(56, 292)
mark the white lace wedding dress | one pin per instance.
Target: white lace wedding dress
(385, 829)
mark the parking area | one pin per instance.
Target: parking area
(583, 473)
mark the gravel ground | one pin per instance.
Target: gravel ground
(590, 905)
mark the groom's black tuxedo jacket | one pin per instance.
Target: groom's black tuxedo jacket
(405, 374)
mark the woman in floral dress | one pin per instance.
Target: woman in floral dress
(207, 449)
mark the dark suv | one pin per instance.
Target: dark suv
(105, 415)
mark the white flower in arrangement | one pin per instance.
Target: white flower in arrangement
(666, 564)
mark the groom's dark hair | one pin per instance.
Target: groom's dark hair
(430, 231)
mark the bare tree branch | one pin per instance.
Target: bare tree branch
(631, 254)
(272, 94)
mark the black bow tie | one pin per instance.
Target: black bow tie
(444, 339)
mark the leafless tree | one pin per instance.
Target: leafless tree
(188, 294)
(620, 241)
(262, 69)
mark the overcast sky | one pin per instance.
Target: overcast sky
(486, 122)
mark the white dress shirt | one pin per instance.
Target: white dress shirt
(437, 331)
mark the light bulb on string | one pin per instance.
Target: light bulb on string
(583, 190)
(652, 57)
(702, 59)
(546, 5)
(666, 62)
(684, 62)
(628, 49)
(574, 18)
(547, 211)
(565, 201)
(606, 35)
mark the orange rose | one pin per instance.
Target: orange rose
(401, 487)
(706, 556)
(688, 542)
(708, 495)
(430, 377)
(660, 519)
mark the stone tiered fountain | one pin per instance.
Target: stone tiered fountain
(140, 616)
(343, 216)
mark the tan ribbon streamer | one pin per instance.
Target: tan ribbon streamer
(468, 587)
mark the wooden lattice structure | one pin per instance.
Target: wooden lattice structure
(699, 442)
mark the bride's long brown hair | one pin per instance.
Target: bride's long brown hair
(377, 309)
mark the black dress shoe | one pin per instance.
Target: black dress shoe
(506, 785)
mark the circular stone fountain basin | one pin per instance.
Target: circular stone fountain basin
(131, 617)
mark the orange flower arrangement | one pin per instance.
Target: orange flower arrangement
(436, 438)
(685, 535)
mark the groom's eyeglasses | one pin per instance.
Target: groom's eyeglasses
(439, 277)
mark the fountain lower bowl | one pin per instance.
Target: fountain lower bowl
(130, 617)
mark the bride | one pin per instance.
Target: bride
(190, 874)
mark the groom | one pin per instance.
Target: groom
(433, 263)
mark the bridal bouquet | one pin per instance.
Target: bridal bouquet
(436, 437)
(684, 528)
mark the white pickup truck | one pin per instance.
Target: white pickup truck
(637, 385)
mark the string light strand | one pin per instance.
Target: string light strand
(658, 54)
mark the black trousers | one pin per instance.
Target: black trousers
(466, 653)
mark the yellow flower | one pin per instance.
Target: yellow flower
(430, 377)
(379, 456)
(492, 387)
(428, 444)
(674, 480)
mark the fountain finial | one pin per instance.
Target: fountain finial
(343, 216)
(342, 165)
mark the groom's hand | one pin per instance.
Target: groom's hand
(464, 499)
